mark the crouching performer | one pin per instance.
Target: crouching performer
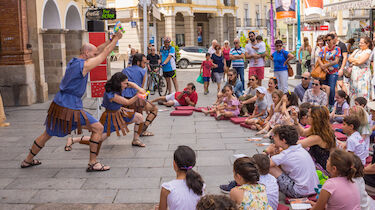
(66, 112)
(116, 117)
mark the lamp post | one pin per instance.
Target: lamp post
(299, 69)
(272, 29)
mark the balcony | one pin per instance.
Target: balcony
(238, 22)
(247, 22)
(261, 22)
(227, 3)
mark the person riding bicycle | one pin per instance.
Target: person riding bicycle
(154, 61)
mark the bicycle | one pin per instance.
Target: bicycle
(155, 81)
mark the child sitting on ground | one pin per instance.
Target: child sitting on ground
(229, 107)
(340, 108)
(339, 192)
(260, 48)
(206, 66)
(256, 120)
(275, 112)
(303, 117)
(272, 189)
(355, 142)
(249, 194)
(360, 101)
(364, 128)
(185, 191)
(216, 202)
(367, 203)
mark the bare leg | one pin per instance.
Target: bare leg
(161, 98)
(35, 149)
(152, 113)
(174, 79)
(95, 142)
(168, 103)
(264, 130)
(169, 88)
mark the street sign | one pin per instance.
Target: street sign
(101, 14)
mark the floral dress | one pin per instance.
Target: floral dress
(360, 78)
(233, 102)
(254, 198)
(279, 118)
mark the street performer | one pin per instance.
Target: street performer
(66, 112)
(137, 74)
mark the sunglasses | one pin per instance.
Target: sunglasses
(252, 79)
(279, 45)
(315, 84)
(230, 75)
(329, 40)
(235, 42)
(305, 78)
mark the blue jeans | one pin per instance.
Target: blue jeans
(331, 80)
(240, 71)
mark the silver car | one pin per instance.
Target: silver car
(191, 55)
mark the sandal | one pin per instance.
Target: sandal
(67, 147)
(92, 169)
(146, 133)
(30, 164)
(138, 143)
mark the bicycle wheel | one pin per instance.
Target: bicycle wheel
(162, 86)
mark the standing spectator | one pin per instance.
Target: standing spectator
(328, 60)
(212, 50)
(316, 50)
(306, 55)
(228, 62)
(153, 62)
(131, 55)
(360, 80)
(256, 62)
(350, 45)
(304, 86)
(205, 71)
(168, 58)
(237, 55)
(218, 71)
(315, 95)
(149, 47)
(343, 60)
(129, 49)
(280, 59)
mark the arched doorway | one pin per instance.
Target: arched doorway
(73, 18)
(180, 29)
(51, 15)
(73, 38)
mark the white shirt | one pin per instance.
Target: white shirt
(268, 97)
(180, 196)
(356, 144)
(272, 189)
(249, 49)
(211, 50)
(297, 163)
(367, 203)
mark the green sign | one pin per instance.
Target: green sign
(108, 14)
(101, 14)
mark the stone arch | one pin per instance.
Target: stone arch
(73, 17)
(180, 29)
(51, 15)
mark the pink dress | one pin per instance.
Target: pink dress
(233, 102)
(226, 54)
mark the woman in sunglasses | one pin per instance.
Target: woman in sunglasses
(315, 95)
(280, 60)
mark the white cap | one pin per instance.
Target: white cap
(371, 105)
(261, 90)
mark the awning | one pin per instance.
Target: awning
(350, 4)
(155, 12)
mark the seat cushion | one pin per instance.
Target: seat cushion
(181, 113)
(238, 120)
(185, 108)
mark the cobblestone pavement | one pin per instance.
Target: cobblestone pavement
(134, 180)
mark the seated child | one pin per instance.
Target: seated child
(293, 168)
(355, 143)
(360, 101)
(339, 191)
(185, 191)
(371, 107)
(229, 107)
(260, 110)
(303, 118)
(260, 48)
(364, 127)
(216, 202)
(366, 201)
(272, 189)
(340, 108)
(249, 194)
(275, 112)
(305, 105)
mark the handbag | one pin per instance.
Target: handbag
(290, 70)
(348, 69)
(318, 72)
(200, 79)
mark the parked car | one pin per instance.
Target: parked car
(191, 55)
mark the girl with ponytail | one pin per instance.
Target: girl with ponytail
(184, 192)
(341, 107)
(249, 194)
(340, 191)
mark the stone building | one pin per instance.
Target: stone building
(187, 22)
(38, 38)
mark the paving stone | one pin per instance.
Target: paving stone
(64, 206)
(5, 182)
(219, 153)
(74, 196)
(136, 162)
(122, 183)
(16, 196)
(213, 161)
(16, 206)
(138, 196)
(81, 173)
(46, 183)
(116, 206)
(37, 171)
(150, 172)
(214, 170)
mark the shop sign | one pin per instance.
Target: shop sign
(324, 28)
(101, 14)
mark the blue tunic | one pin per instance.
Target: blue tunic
(135, 74)
(113, 106)
(72, 88)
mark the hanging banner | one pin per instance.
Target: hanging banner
(285, 9)
(313, 7)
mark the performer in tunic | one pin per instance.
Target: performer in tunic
(66, 112)
(116, 118)
(137, 74)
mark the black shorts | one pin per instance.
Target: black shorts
(171, 74)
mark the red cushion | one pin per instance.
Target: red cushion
(336, 126)
(181, 113)
(282, 207)
(185, 108)
(372, 196)
(311, 198)
(238, 120)
(199, 109)
(245, 125)
(340, 136)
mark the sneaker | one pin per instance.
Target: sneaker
(226, 188)
(205, 93)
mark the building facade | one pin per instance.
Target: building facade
(187, 22)
(38, 38)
